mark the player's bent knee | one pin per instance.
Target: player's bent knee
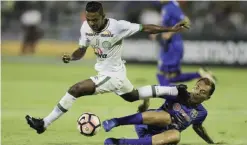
(156, 118)
(131, 97)
(167, 137)
(74, 90)
(164, 117)
(175, 136)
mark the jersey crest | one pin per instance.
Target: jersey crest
(193, 113)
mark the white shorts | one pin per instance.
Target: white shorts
(118, 85)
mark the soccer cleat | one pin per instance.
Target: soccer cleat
(37, 124)
(207, 74)
(111, 141)
(109, 124)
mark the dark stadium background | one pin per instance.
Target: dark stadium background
(33, 83)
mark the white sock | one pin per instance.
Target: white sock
(154, 91)
(63, 106)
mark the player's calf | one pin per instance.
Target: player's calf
(167, 137)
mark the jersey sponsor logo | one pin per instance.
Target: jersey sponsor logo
(102, 55)
(92, 34)
(106, 33)
(187, 118)
(177, 107)
(99, 53)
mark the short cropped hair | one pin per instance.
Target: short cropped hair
(94, 6)
(210, 83)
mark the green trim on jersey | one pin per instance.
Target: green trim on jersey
(141, 27)
(104, 81)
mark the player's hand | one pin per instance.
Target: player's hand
(142, 108)
(182, 90)
(66, 58)
(181, 26)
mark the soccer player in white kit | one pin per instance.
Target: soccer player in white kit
(105, 36)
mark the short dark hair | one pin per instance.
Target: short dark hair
(210, 83)
(94, 6)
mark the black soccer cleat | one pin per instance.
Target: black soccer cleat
(37, 124)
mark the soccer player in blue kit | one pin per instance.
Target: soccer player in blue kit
(164, 125)
(171, 49)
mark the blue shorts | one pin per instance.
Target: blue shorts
(168, 68)
(170, 59)
(150, 130)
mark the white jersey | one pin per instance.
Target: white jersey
(108, 44)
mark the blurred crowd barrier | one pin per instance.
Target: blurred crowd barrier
(218, 34)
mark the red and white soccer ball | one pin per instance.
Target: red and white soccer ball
(88, 124)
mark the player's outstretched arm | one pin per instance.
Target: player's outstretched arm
(153, 29)
(201, 131)
(168, 35)
(76, 55)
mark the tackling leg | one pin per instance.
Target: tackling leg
(170, 137)
(146, 92)
(160, 118)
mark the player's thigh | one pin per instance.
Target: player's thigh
(82, 88)
(125, 88)
(159, 118)
(167, 137)
(105, 84)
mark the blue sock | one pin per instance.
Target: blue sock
(131, 119)
(140, 141)
(183, 77)
(162, 80)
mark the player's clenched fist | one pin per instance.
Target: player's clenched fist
(66, 58)
(181, 26)
(182, 90)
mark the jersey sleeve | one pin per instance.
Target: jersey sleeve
(165, 16)
(83, 39)
(201, 116)
(127, 29)
(178, 14)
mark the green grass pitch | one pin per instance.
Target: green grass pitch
(34, 88)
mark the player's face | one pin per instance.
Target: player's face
(95, 20)
(200, 93)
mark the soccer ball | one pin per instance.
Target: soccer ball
(88, 124)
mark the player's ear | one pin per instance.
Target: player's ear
(103, 15)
